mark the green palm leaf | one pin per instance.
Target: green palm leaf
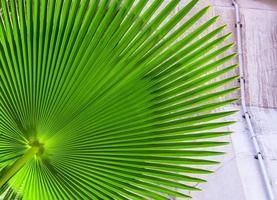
(106, 100)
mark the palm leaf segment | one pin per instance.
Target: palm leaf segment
(99, 100)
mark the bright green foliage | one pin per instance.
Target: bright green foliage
(99, 100)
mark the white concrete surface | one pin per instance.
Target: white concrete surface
(238, 177)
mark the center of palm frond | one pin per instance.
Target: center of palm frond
(37, 144)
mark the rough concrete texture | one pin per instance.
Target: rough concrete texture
(239, 177)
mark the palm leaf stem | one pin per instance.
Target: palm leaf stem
(18, 164)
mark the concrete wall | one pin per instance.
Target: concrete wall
(239, 177)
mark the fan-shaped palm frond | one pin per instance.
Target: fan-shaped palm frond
(105, 100)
